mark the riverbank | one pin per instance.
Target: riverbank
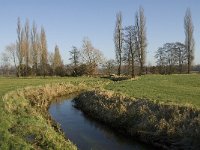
(29, 124)
(25, 124)
(167, 126)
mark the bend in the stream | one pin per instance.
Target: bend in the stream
(87, 133)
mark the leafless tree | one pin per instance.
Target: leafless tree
(19, 44)
(91, 56)
(161, 60)
(51, 58)
(118, 38)
(5, 63)
(130, 47)
(35, 44)
(189, 40)
(89, 53)
(43, 46)
(171, 55)
(75, 54)
(57, 61)
(75, 58)
(140, 25)
(12, 51)
(180, 52)
(27, 46)
(109, 67)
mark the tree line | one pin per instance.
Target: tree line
(130, 43)
(30, 55)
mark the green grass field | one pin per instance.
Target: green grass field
(9, 84)
(180, 89)
(167, 88)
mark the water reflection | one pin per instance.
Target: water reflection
(86, 133)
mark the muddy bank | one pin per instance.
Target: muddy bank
(162, 125)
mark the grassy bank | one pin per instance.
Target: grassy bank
(163, 125)
(24, 120)
(180, 89)
(25, 124)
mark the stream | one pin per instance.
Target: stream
(86, 133)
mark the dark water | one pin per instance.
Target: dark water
(86, 133)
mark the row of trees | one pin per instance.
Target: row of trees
(173, 57)
(130, 43)
(30, 55)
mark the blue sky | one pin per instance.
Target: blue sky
(67, 21)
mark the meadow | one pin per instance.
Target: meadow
(176, 89)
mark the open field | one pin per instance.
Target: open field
(180, 89)
(9, 84)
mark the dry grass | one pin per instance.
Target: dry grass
(169, 126)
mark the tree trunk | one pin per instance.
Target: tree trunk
(133, 68)
(119, 68)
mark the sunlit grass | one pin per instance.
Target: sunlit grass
(181, 89)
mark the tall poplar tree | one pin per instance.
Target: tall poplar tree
(27, 46)
(19, 46)
(118, 38)
(140, 24)
(57, 62)
(189, 40)
(44, 53)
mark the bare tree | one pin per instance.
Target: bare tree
(118, 38)
(180, 52)
(44, 60)
(109, 67)
(27, 46)
(57, 61)
(51, 58)
(5, 63)
(12, 50)
(189, 40)
(161, 60)
(91, 56)
(75, 56)
(140, 24)
(130, 47)
(171, 55)
(20, 54)
(35, 44)
(171, 58)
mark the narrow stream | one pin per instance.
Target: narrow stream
(86, 133)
